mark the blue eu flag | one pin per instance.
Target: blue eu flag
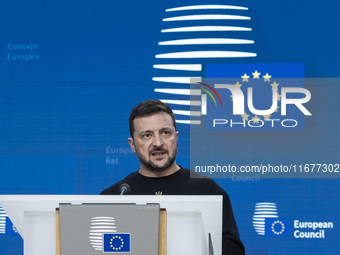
(277, 227)
(116, 242)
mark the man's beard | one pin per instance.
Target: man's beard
(153, 167)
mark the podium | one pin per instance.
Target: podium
(194, 223)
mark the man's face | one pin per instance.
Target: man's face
(155, 142)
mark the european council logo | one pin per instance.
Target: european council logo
(117, 242)
(266, 221)
(277, 227)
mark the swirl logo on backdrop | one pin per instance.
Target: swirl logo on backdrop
(266, 222)
(194, 36)
(266, 96)
(3, 217)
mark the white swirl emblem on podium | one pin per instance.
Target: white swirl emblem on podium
(99, 226)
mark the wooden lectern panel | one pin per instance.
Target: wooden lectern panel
(162, 232)
(57, 228)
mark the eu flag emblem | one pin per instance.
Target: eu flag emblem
(277, 227)
(116, 242)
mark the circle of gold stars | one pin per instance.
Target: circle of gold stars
(282, 227)
(121, 243)
(266, 78)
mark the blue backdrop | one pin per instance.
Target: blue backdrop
(71, 71)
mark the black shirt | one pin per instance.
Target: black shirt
(185, 182)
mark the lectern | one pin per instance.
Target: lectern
(194, 223)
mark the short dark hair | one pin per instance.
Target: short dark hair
(148, 108)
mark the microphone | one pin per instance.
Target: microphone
(124, 188)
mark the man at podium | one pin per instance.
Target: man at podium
(154, 139)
